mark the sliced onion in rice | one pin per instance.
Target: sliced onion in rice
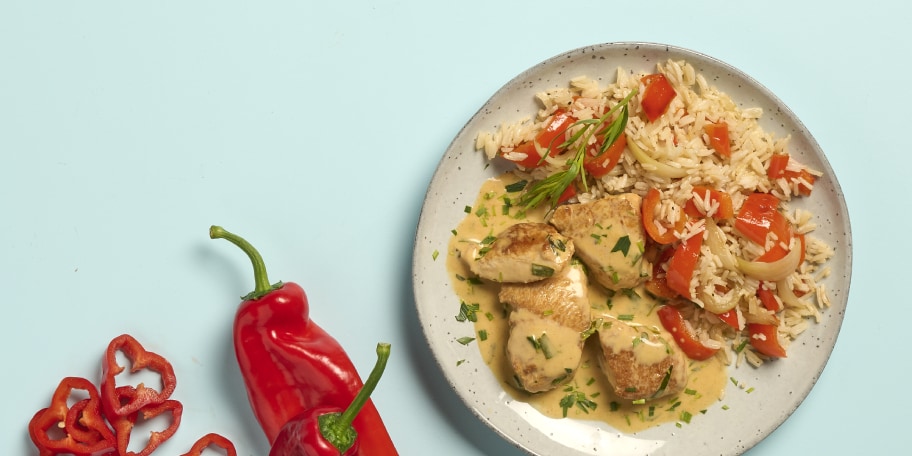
(761, 316)
(715, 239)
(786, 294)
(718, 304)
(772, 271)
(653, 165)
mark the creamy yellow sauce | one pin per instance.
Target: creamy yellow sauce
(489, 216)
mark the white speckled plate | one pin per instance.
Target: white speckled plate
(780, 386)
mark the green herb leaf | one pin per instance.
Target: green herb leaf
(622, 245)
(539, 270)
(465, 340)
(468, 312)
(517, 186)
(552, 187)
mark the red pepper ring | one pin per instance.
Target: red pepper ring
(156, 438)
(112, 403)
(74, 440)
(85, 423)
(123, 425)
(209, 440)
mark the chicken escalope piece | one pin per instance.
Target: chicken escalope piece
(609, 237)
(547, 319)
(522, 253)
(639, 364)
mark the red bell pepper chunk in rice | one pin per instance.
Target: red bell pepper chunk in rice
(552, 136)
(778, 168)
(768, 297)
(568, 193)
(600, 165)
(683, 335)
(683, 264)
(525, 155)
(657, 95)
(719, 138)
(719, 201)
(665, 235)
(658, 283)
(765, 339)
(777, 251)
(759, 216)
(730, 318)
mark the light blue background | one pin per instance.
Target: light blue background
(313, 129)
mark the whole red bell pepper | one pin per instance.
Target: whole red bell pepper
(328, 430)
(290, 365)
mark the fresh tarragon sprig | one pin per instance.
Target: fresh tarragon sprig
(552, 187)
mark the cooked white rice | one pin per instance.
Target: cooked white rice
(678, 139)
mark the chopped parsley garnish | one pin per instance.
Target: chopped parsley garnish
(435, 254)
(468, 209)
(483, 335)
(622, 245)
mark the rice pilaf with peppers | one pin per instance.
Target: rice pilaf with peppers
(731, 260)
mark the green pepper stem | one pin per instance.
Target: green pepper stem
(383, 354)
(261, 279)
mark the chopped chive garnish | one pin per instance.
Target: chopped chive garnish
(539, 270)
(686, 416)
(625, 317)
(465, 340)
(547, 348)
(468, 209)
(435, 254)
(468, 312)
(741, 346)
(483, 335)
(631, 293)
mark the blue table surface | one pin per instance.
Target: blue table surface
(313, 129)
